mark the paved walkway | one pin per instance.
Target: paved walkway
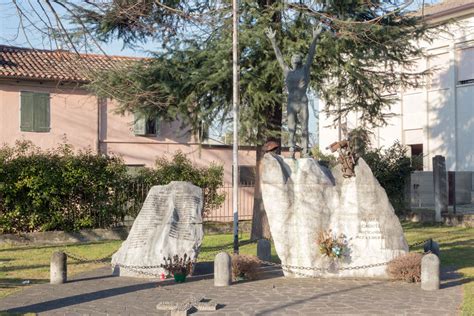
(98, 293)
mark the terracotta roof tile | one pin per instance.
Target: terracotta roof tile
(57, 65)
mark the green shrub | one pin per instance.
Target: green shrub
(58, 190)
(392, 168)
(180, 168)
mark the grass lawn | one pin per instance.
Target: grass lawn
(457, 250)
(31, 263)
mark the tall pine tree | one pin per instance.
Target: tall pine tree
(370, 55)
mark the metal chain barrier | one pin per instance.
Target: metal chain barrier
(87, 260)
(287, 268)
(419, 243)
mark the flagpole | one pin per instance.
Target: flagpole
(235, 111)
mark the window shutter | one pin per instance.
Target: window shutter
(41, 118)
(26, 112)
(466, 64)
(139, 124)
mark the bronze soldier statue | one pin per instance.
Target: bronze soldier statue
(297, 80)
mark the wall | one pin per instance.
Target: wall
(74, 119)
(73, 115)
(117, 137)
(422, 188)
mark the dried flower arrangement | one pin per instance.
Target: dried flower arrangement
(178, 265)
(331, 245)
(245, 267)
(406, 267)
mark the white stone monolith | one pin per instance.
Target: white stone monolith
(169, 223)
(303, 198)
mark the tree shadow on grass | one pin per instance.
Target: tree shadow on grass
(39, 266)
(36, 247)
(458, 253)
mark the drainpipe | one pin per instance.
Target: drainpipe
(99, 106)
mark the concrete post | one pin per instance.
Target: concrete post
(264, 250)
(440, 182)
(430, 272)
(58, 268)
(222, 269)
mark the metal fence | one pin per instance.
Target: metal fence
(137, 192)
(225, 212)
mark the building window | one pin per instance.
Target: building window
(247, 175)
(34, 112)
(144, 125)
(466, 65)
(417, 156)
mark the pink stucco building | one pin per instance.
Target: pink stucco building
(42, 99)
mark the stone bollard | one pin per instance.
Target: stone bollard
(430, 272)
(58, 268)
(264, 250)
(431, 246)
(222, 269)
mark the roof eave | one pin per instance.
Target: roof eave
(26, 78)
(453, 13)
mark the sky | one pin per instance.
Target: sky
(11, 34)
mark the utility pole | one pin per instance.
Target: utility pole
(235, 111)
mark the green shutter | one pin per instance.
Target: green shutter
(26, 112)
(34, 112)
(41, 117)
(139, 124)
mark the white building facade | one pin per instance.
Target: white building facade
(437, 118)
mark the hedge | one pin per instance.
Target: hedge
(62, 190)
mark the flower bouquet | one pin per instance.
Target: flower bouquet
(178, 267)
(332, 246)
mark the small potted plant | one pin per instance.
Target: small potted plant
(178, 266)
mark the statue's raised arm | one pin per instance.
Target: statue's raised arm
(312, 49)
(271, 35)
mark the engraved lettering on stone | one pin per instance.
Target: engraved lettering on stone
(369, 230)
(169, 224)
(152, 216)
